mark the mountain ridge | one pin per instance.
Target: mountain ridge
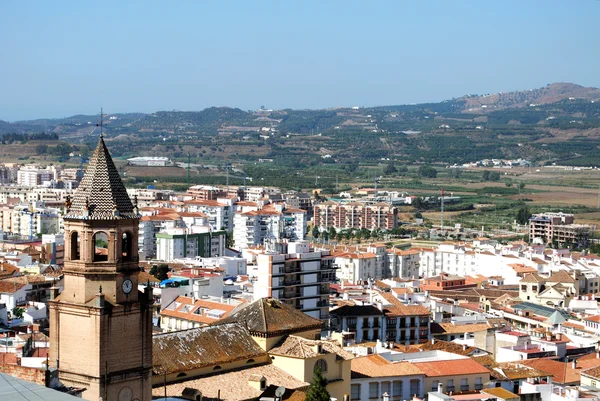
(551, 93)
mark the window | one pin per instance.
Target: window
(415, 387)
(355, 392)
(523, 288)
(594, 383)
(478, 383)
(250, 361)
(100, 242)
(321, 364)
(217, 368)
(181, 375)
(126, 249)
(464, 385)
(386, 387)
(75, 255)
(450, 386)
(373, 390)
(397, 388)
(434, 385)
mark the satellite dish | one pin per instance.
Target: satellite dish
(279, 392)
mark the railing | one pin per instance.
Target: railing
(464, 387)
(478, 386)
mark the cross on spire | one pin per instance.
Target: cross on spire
(101, 125)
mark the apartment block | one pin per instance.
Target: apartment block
(558, 228)
(177, 243)
(357, 215)
(300, 278)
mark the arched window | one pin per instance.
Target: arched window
(217, 368)
(181, 375)
(126, 248)
(100, 247)
(321, 364)
(75, 255)
(250, 361)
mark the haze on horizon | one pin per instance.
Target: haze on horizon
(67, 57)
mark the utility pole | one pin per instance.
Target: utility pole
(442, 210)
(188, 171)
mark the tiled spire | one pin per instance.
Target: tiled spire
(101, 194)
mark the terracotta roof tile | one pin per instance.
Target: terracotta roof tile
(186, 350)
(271, 317)
(378, 366)
(453, 367)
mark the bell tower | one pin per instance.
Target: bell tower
(101, 325)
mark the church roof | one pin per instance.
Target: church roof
(271, 317)
(101, 194)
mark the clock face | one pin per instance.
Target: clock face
(127, 286)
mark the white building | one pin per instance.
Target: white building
(300, 278)
(148, 161)
(178, 243)
(255, 227)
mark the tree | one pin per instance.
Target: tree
(229, 239)
(403, 169)
(18, 312)
(485, 176)
(390, 169)
(427, 171)
(318, 388)
(455, 173)
(494, 176)
(41, 149)
(332, 232)
(315, 232)
(161, 272)
(523, 215)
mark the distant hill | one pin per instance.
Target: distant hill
(557, 123)
(551, 93)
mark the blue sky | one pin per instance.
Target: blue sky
(59, 58)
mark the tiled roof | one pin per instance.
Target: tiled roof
(185, 308)
(234, 385)
(454, 367)
(532, 278)
(500, 393)
(448, 346)
(271, 317)
(557, 369)
(7, 269)
(378, 366)
(449, 328)
(397, 308)
(561, 276)
(356, 310)
(512, 370)
(186, 350)
(101, 194)
(300, 347)
(10, 286)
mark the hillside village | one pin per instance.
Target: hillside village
(235, 288)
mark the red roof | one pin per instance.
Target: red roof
(453, 367)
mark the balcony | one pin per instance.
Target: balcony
(464, 387)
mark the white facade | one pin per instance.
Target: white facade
(254, 228)
(299, 278)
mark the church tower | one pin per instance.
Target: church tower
(101, 325)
